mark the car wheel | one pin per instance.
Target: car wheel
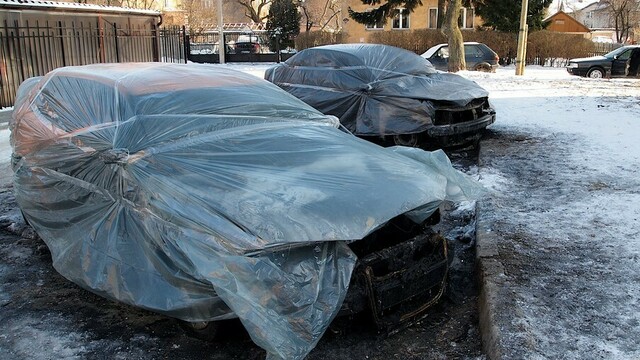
(483, 67)
(406, 140)
(203, 330)
(595, 73)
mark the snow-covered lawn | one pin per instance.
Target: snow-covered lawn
(562, 159)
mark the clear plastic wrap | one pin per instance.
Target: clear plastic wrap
(374, 89)
(204, 193)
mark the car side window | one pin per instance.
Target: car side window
(625, 55)
(472, 51)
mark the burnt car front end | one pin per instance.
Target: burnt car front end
(455, 125)
(383, 99)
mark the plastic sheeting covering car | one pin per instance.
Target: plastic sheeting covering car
(373, 89)
(204, 193)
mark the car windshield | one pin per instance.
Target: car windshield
(615, 52)
(429, 53)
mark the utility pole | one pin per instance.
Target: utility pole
(522, 39)
(222, 46)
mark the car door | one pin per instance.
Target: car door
(440, 59)
(619, 65)
(472, 56)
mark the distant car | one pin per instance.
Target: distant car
(613, 64)
(478, 57)
(248, 44)
(386, 94)
(602, 39)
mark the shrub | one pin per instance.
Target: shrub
(417, 41)
(544, 47)
(316, 38)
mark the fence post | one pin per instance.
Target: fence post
(19, 50)
(64, 56)
(187, 44)
(156, 43)
(115, 41)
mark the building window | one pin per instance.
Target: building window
(401, 19)
(559, 22)
(465, 21)
(433, 18)
(207, 4)
(377, 26)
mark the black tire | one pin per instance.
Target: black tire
(595, 73)
(484, 67)
(410, 140)
(203, 330)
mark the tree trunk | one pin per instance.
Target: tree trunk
(454, 36)
(441, 10)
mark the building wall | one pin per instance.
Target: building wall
(423, 17)
(562, 22)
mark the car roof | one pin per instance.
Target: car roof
(374, 56)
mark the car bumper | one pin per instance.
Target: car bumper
(577, 71)
(462, 127)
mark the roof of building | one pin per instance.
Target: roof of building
(561, 14)
(68, 6)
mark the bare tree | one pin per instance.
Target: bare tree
(454, 36)
(138, 4)
(624, 16)
(133, 4)
(200, 15)
(255, 10)
(441, 9)
(324, 14)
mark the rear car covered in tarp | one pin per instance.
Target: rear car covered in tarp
(205, 194)
(383, 91)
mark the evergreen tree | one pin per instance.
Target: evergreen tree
(504, 15)
(283, 24)
(382, 12)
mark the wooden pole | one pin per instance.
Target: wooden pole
(522, 39)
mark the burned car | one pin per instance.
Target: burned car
(383, 92)
(206, 194)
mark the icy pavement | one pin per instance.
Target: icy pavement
(559, 237)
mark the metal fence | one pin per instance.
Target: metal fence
(33, 49)
(603, 48)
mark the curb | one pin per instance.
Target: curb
(489, 271)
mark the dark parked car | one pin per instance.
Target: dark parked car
(477, 56)
(247, 44)
(205, 194)
(613, 64)
(386, 94)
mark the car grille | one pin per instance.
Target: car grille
(452, 114)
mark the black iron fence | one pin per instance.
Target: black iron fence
(33, 49)
(240, 46)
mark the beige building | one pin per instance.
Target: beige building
(423, 17)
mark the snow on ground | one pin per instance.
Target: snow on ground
(562, 159)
